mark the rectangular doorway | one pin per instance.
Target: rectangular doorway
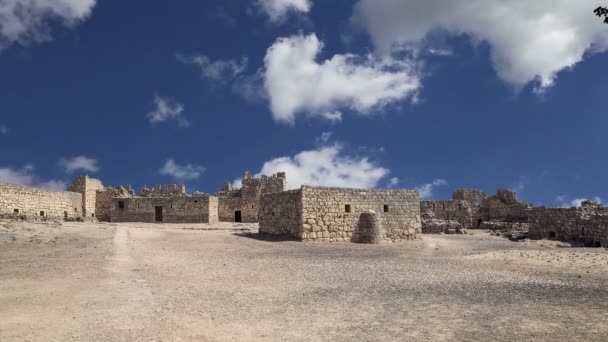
(159, 213)
(237, 216)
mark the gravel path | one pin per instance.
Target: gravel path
(144, 282)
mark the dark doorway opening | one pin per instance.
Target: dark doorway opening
(237, 216)
(479, 223)
(552, 235)
(598, 244)
(159, 213)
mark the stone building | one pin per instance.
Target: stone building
(242, 204)
(335, 214)
(88, 187)
(588, 224)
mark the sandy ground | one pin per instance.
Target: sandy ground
(148, 282)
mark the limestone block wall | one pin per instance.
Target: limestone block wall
(37, 203)
(333, 214)
(104, 204)
(566, 224)
(254, 188)
(451, 210)
(227, 207)
(504, 207)
(88, 187)
(185, 209)
(281, 213)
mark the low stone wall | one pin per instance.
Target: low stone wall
(505, 226)
(435, 226)
(370, 228)
(588, 224)
(186, 209)
(281, 213)
(28, 202)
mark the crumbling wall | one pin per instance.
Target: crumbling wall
(588, 223)
(333, 214)
(166, 190)
(88, 187)
(281, 213)
(504, 207)
(247, 198)
(473, 196)
(184, 209)
(35, 203)
(451, 210)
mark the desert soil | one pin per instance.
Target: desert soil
(148, 282)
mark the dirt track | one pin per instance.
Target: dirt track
(140, 282)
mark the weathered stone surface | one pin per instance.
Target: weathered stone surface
(589, 224)
(33, 203)
(333, 214)
(370, 228)
(435, 226)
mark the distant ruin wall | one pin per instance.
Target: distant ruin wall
(24, 201)
(333, 214)
(566, 224)
(451, 210)
(190, 209)
(254, 188)
(281, 213)
(104, 204)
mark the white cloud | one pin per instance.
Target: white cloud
(167, 109)
(277, 10)
(565, 202)
(529, 40)
(393, 182)
(326, 166)
(181, 172)
(219, 70)
(4, 130)
(25, 176)
(426, 190)
(520, 185)
(296, 83)
(24, 21)
(324, 137)
(79, 163)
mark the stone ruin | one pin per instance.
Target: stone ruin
(311, 213)
(472, 208)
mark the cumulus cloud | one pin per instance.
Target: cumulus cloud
(168, 109)
(426, 190)
(25, 21)
(326, 166)
(530, 41)
(566, 202)
(79, 163)
(181, 172)
(277, 10)
(218, 70)
(26, 176)
(297, 83)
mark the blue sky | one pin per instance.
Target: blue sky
(347, 93)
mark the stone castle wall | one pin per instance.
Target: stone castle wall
(227, 207)
(88, 187)
(451, 210)
(281, 213)
(247, 198)
(333, 214)
(185, 209)
(588, 224)
(104, 204)
(29, 202)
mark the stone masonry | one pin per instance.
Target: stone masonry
(242, 204)
(30, 203)
(588, 224)
(334, 214)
